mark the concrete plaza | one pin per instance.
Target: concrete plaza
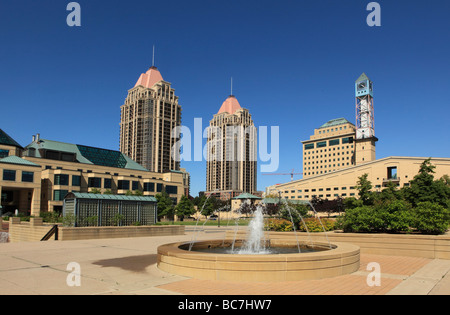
(128, 266)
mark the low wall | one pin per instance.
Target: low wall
(32, 231)
(35, 230)
(426, 246)
(86, 233)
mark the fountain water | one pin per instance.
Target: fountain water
(258, 258)
(256, 243)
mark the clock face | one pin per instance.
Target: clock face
(361, 85)
(371, 86)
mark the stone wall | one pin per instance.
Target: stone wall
(427, 246)
(35, 230)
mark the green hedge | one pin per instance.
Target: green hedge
(397, 216)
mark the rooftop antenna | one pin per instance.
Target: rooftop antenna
(231, 86)
(153, 59)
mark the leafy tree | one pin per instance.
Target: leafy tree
(184, 208)
(390, 192)
(165, 205)
(424, 188)
(431, 218)
(364, 187)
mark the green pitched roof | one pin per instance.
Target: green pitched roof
(110, 197)
(12, 159)
(362, 77)
(335, 122)
(247, 196)
(88, 155)
(7, 140)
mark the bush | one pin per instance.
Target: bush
(362, 219)
(315, 225)
(431, 218)
(278, 225)
(396, 214)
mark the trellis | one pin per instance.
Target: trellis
(108, 210)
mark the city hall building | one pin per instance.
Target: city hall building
(37, 177)
(339, 152)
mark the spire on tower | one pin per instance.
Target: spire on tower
(231, 86)
(153, 58)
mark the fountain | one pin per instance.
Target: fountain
(258, 257)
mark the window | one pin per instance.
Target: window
(333, 142)
(27, 177)
(309, 146)
(159, 187)
(58, 195)
(107, 183)
(149, 187)
(392, 172)
(123, 185)
(4, 153)
(135, 185)
(9, 175)
(171, 189)
(321, 144)
(76, 180)
(95, 182)
(61, 179)
(347, 140)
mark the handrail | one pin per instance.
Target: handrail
(53, 231)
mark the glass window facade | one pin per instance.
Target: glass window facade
(103, 157)
(309, 146)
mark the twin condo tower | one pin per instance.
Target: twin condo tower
(151, 112)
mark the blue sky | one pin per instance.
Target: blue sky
(293, 64)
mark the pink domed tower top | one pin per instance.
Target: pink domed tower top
(230, 106)
(149, 78)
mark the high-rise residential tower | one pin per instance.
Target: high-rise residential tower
(148, 116)
(231, 151)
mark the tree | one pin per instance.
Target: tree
(184, 208)
(424, 188)
(165, 205)
(390, 192)
(364, 187)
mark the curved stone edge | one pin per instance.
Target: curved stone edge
(343, 259)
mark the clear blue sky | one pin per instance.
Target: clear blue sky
(293, 63)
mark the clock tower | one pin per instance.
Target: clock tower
(365, 126)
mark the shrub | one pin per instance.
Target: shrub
(278, 225)
(315, 225)
(396, 214)
(431, 218)
(362, 219)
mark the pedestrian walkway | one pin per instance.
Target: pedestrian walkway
(128, 266)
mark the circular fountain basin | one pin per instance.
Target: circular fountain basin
(214, 260)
